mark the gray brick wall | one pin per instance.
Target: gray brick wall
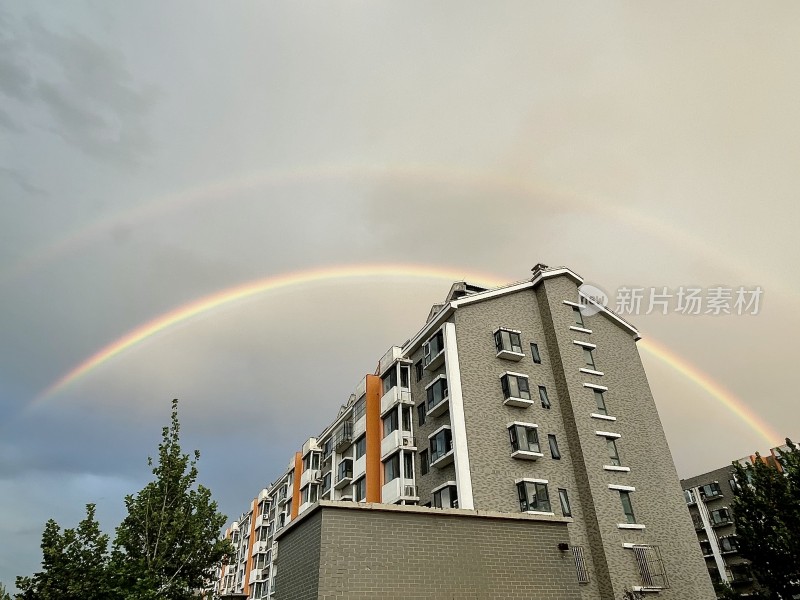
(370, 552)
(298, 561)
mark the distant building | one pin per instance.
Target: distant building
(509, 401)
(708, 497)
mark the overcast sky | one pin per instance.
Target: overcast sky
(155, 153)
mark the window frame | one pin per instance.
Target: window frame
(627, 509)
(552, 442)
(505, 385)
(360, 446)
(538, 487)
(535, 354)
(544, 397)
(563, 499)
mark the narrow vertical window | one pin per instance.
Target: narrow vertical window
(554, 451)
(408, 465)
(627, 507)
(421, 412)
(543, 397)
(424, 462)
(418, 370)
(589, 357)
(613, 452)
(564, 499)
(576, 312)
(537, 358)
(600, 400)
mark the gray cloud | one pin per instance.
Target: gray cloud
(92, 101)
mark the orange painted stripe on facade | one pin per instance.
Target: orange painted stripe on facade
(250, 543)
(374, 436)
(298, 471)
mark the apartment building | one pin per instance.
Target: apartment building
(509, 400)
(708, 497)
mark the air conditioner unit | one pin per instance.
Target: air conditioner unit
(406, 442)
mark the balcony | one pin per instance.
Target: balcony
(260, 548)
(344, 474)
(399, 489)
(396, 395)
(396, 440)
(438, 397)
(343, 436)
(722, 522)
(442, 459)
(312, 475)
(282, 496)
(433, 352)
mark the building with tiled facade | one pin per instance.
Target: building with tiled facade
(708, 497)
(507, 401)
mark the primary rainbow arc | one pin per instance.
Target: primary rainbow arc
(315, 276)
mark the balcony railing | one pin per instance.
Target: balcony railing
(343, 436)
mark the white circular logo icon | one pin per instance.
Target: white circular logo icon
(592, 299)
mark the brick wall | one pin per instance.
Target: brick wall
(377, 551)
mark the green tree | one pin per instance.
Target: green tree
(4, 595)
(74, 564)
(766, 512)
(169, 542)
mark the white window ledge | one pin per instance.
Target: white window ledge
(616, 468)
(585, 344)
(518, 402)
(591, 371)
(621, 488)
(603, 417)
(594, 386)
(511, 355)
(630, 526)
(581, 329)
(530, 480)
(608, 434)
(646, 590)
(540, 512)
(526, 455)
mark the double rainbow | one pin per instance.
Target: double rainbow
(242, 292)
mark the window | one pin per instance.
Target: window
(406, 412)
(345, 469)
(424, 462)
(418, 369)
(408, 465)
(360, 490)
(564, 499)
(580, 564)
(421, 413)
(627, 507)
(437, 392)
(405, 376)
(390, 423)
(535, 354)
(524, 438)
(688, 496)
(578, 315)
(613, 453)
(361, 446)
(311, 461)
(600, 400)
(310, 493)
(441, 444)
(505, 340)
(720, 516)
(515, 386)
(360, 408)
(651, 567)
(533, 496)
(327, 449)
(554, 451)
(446, 497)
(710, 490)
(728, 544)
(433, 348)
(391, 468)
(588, 357)
(390, 379)
(543, 397)
(733, 484)
(326, 482)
